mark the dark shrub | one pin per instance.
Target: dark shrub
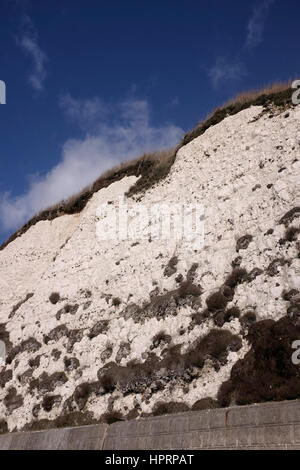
(68, 308)
(236, 262)
(254, 273)
(290, 295)
(188, 288)
(200, 317)
(225, 394)
(226, 316)
(12, 400)
(71, 363)
(54, 297)
(108, 382)
(243, 242)
(216, 301)
(3, 427)
(247, 319)
(290, 216)
(123, 351)
(219, 319)
(191, 274)
(132, 414)
(34, 362)
(112, 417)
(81, 394)
(116, 301)
(237, 276)
(47, 383)
(228, 292)
(267, 372)
(49, 401)
(291, 233)
(159, 338)
(5, 376)
(233, 312)
(205, 404)
(171, 269)
(99, 328)
(164, 408)
(272, 269)
(55, 334)
(216, 342)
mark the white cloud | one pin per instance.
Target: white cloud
(256, 23)
(28, 41)
(125, 133)
(223, 70)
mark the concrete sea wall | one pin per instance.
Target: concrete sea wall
(263, 426)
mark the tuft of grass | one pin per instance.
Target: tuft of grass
(279, 94)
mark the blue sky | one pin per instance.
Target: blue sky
(91, 83)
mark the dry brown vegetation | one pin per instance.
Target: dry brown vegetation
(155, 166)
(278, 94)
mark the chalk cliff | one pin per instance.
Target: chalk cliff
(103, 330)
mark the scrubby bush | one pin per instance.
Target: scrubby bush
(164, 408)
(205, 404)
(116, 301)
(267, 372)
(188, 288)
(112, 417)
(54, 297)
(171, 269)
(226, 316)
(81, 394)
(108, 382)
(291, 233)
(243, 242)
(247, 319)
(237, 276)
(159, 338)
(216, 301)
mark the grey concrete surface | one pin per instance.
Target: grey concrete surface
(262, 426)
(78, 438)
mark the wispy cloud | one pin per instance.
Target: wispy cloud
(256, 23)
(223, 70)
(124, 132)
(84, 112)
(28, 41)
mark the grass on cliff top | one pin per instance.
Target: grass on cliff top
(154, 166)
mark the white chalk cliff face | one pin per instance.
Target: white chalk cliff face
(90, 351)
